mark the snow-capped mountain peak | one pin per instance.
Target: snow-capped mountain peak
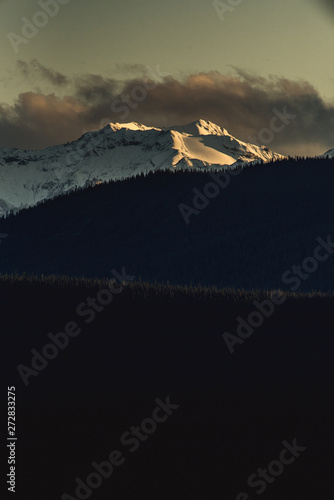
(200, 127)
(117, 151)
(128, 126)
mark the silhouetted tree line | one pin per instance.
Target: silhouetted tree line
(265, 221)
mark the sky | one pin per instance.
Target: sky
(69, 66)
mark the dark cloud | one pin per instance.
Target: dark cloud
(36, 70)
(95, 89)
(37, 121)
(244, 104)
(130, 69)
(327, 4)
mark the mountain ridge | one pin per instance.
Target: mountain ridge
(248, 236)
(118, 151)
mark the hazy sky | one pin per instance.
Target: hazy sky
(233, 68)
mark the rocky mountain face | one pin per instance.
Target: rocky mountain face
(118, 151)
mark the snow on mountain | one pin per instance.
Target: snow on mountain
(201, 127)
(328, 154)
(117, 151)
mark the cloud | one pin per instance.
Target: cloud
(328, 4)
(37, 121)
(244, 104)
(95, 89)
(36, 70)
(130, 69)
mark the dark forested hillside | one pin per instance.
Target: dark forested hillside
(233, 411)
(250, 233)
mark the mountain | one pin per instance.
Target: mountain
(328, 154)
(163, 227)
(117, 151)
